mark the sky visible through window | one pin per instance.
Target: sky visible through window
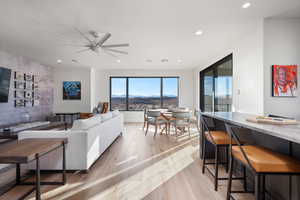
(144, 87)
(223, 85)
(118, 87)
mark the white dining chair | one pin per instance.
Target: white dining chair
(195, 119)
(181, 120)
(153, 118)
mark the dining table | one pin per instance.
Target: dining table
(167, 115)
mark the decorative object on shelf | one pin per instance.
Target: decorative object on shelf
(25, 87)
(28, 77)
(36, 79)
(28, 94)
(29, 85)
(19, 103)
(35, 86)
(20, 76)
(36, 102)
(284, 80)
(37, 94)
(19, 85)
(102, 107)
(29, 103)
(272, 120)
(19, 94)
(71, 90)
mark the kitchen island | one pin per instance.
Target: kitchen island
(281, 138)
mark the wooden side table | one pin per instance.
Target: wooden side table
(28, 150)
(64, 115)
(52, 125)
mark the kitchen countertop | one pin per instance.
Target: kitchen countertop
(287, 132)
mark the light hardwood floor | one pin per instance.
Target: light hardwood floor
(140, 167)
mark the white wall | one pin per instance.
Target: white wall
(247, 71)
(72, 74)
(281, 47)
(186, 87)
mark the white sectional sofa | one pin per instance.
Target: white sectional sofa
(87, 140)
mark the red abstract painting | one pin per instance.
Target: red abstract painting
(284, 80)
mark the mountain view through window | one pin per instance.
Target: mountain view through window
(137, 93)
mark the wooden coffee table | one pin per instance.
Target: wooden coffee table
(28, 150)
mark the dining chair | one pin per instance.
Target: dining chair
(181, 120)
(195, 119)
(145, 117)
(154, 118)
(183, 108)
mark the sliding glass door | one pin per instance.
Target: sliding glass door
(216, 87)
(208, 103)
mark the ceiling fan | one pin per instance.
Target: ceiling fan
(96, 42)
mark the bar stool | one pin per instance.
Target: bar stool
(260, 161)
(219, 139)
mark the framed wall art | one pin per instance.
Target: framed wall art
(71, 90)
(284, 81)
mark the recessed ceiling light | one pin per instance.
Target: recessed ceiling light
(149, 60)
(246, 5)
(118, 61)
(59, 61)
(199, 32)
(164, 60)
(180, 61)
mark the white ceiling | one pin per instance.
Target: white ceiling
(155, 29)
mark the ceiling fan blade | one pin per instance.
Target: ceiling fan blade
(73, 45)
(111, 54)
(115, 45)
(83, 50)
(83, 35)
(116, 51)
(103, 39)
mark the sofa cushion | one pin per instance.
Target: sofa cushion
(85, 124)
(106, 116)
(98, 117)
(115, 113)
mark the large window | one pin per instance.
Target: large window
(170, 92)
(119, 93)
(216, 86)
(137, 93)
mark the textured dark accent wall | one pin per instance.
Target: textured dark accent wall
(8, 113)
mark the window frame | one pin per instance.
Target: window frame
(127, 89)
